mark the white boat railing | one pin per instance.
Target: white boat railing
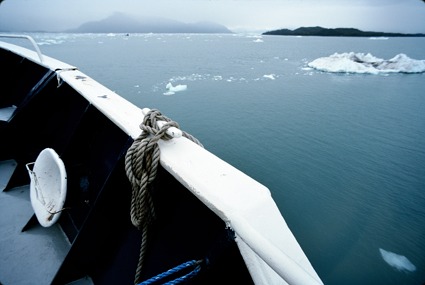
(34, 44)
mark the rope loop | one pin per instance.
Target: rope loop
(141, 164)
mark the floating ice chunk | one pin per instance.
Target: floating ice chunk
(367, 63)
(378, 38)
(399, 262)
(270, 76)
(173, 89)
(50, 42)
(176, 88)
(258, 41)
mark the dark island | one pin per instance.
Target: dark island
(338, 32)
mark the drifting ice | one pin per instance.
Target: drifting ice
(399, 262)
(367, 63)
(269, 76)
(173, 89)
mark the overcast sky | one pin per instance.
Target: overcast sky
(238, 15)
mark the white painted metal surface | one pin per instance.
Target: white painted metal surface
(270, 250)
(6, 113)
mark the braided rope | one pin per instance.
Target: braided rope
(141, 164)
(195, 264)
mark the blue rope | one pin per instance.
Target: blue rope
(194, 272)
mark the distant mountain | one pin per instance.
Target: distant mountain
(338, 32)
(122, 23)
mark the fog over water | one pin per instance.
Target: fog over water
(238, 15)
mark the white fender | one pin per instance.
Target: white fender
(48, 186)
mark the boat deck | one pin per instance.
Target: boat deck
(24, 241)
(93, 241)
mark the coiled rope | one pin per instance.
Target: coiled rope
(141, 164)
(195, 264)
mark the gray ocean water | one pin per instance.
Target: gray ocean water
(342, 154)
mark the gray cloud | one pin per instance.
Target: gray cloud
(382, 15)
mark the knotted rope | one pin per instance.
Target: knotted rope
(141, 164)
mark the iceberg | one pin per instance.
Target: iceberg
(366, 63)
(270, 76)
(397, 261)
(173, 89)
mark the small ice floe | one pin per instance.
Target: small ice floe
(397, 261)
(231, 79)
(379, 38)
(258, 41)
(270, 76)
(366, 63)
(50, 42)
(173, 89)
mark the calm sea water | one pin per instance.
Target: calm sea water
(342, 154)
